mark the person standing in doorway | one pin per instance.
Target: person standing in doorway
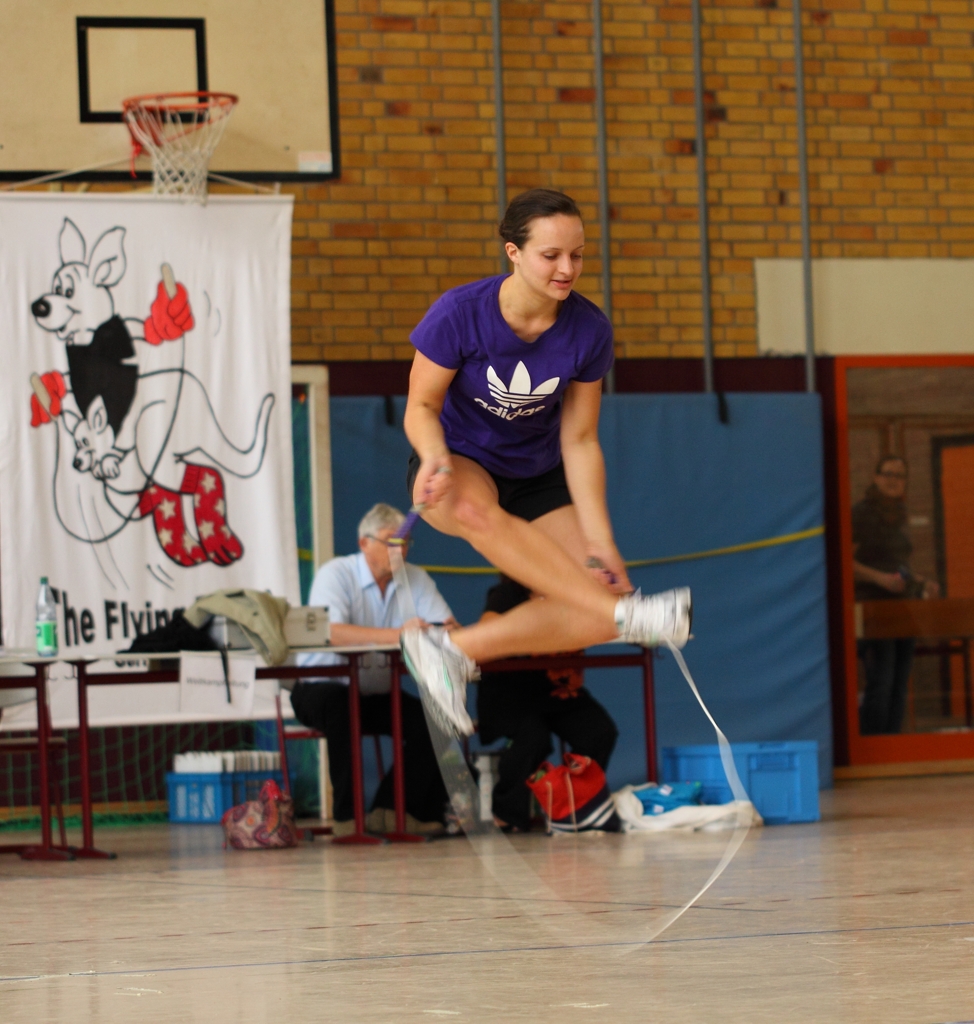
(881, 553)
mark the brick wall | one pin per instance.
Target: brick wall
(891, 134)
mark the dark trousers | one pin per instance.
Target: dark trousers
(525, 711)
(887, 664)
(324, 706)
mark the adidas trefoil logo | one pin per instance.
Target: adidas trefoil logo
(513, 399)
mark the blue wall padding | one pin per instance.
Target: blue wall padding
(679, 481)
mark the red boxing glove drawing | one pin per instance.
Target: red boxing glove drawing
(170, 317)
(45, 402)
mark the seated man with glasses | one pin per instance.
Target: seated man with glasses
(360, 595)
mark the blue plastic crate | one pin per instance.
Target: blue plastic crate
(199, 798)
(205, 797)
(780, 778)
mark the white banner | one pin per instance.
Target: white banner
(206, 689)
(130, 703)
(145, 443)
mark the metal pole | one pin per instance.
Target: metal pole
(796, 7)
(603, 166)
(84, 757)
(359, 836)
(703, 217)
(43, 752)
(501, 144)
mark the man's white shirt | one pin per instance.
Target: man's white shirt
(347, 588)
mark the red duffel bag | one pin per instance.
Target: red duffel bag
(575, 796)
(261, 824)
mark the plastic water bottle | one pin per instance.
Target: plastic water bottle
(46, 621)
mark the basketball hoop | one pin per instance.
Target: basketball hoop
(179, 131)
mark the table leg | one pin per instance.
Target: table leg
(46, 851)
(282, 746)
(968, 696)
(285, 774)
(43, 753)
(359, 836)
(58, 802)
(649, 716)
(87, 849)
(400, 835)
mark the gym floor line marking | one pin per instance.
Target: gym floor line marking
(149, 971)
(637, 905)
(338, 927)
(333, 927)
(176, 881)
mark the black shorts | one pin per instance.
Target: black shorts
(527, 498)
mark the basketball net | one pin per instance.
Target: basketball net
(179, 131)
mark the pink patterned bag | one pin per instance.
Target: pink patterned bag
(263, 823)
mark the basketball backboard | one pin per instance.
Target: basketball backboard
(66, 66)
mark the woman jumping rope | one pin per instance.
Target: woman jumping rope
(503, 415)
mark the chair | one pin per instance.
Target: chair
(301, 732)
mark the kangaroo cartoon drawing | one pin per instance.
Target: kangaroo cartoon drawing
(80, 310)
(105, 354)
(172, 473)
(135, 422)
(94, 441)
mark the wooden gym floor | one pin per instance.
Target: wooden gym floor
(865, 917)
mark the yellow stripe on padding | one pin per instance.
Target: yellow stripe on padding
(639, 563)
(753, 545)
(462, 570)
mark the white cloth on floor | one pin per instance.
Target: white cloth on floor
(691, 818)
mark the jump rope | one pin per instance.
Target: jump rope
(496, 852)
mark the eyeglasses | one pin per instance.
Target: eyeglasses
(892, 476)
(391, 542)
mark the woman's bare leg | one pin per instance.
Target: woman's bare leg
(546, 556)
(540, 626)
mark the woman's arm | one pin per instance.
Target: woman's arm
(344, 634)
(891, 581)
(428, 384)
(585, 473)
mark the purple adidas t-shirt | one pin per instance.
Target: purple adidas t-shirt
(503, 408)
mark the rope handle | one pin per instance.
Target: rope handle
(413, 517)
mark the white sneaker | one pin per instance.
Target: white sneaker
(654, 618)
(441, 671)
